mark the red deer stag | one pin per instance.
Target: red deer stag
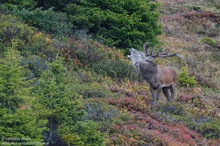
(158, 77)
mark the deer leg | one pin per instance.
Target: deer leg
(152, 95)
(158, 92)
(172, 90)
(166, 92)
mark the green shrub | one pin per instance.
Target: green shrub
(12, 30)
(118, 68)
(194, 7)
(171, 108)
(88, 133)
(100, 59)
(99, 110)
(56, 4)
(123, 24)
(4, 10)
(25, 38)
(27, 4)
(92, 85)
(209, 41)
(184, 78)
(211, 129)
(207, 126)
(94, 90)
(46, 20)
(36, 64)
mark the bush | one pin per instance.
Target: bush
(36, 64)
(123, 24)
(56, 4)
(46, 20)
(27, 4)
(185, 79)
(12, 30)
(94, 90)
(209, 41)
(207, 126)
(210, 129)
(194, 7)
(92, 56)
(92, 85)
(4, 10)
(192, 118)
(88, 132)
(118, 68)
(99, 110)
(25, 38)
(171, 108)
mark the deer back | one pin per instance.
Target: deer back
(166, 76)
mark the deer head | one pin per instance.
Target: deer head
(158, 77)
(137, 56)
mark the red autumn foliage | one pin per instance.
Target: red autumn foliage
(129, 103)
(150, 128)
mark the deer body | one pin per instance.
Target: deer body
(158, 77)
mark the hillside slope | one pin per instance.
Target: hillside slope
(86, 93)
(192, 29)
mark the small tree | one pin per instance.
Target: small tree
(60, 105)
(185, 79)
(13, 91)
(17, 120)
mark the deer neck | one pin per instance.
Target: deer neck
(147, 66)
(147, 70)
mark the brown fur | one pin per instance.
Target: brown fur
(158, 77)
(166, 75)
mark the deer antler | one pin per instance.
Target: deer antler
(146, 49)
(158, 54)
